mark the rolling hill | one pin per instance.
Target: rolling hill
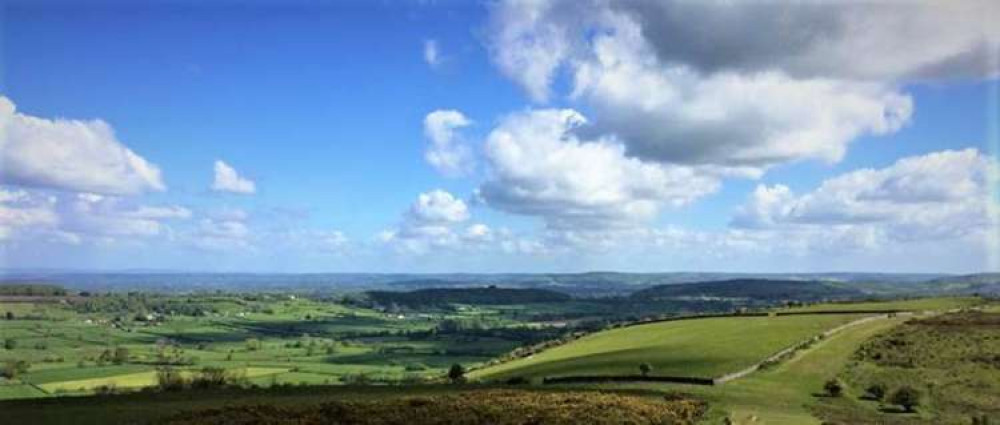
(750, 289)
(697, 348)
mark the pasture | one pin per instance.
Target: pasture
(704, 348)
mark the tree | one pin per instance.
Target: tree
(645, 369)
(876, 392)
(456, 373)
(906, 397)
(10, 343)
(833, 388)
(10, 315)
(120, 355)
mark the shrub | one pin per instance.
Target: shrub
(10, 343)
(252, 344)
(170, 379)
(456, 373)
(906, 397)
(12, 368)
(517, 380)
(645, 369)
(106, 390)
(876, 392)
(210, 377)
(833, 388)
(120, 355)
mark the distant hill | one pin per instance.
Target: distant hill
(753, 289)
(981, 283)
(491, 295)
(31, 289)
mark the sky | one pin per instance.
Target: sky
(499, 136)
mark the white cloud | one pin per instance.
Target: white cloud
(228, 180)
(939, 195)
(70, 155)
(431, 53)
(539, 167)
(222, 235)
(24, 213)
(447, 152)
(741, 85)
(83, 217)
(437, 207)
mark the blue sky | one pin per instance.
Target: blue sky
(325, 108)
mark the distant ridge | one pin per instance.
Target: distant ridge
(753, 289)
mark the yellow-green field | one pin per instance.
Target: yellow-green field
(138, 380)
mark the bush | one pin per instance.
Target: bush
(253, 344)
(833, 388)
(170, 379)
(12, 368)
(876, 392)
(106, 390)
(517, 380)
(645, 369)
(906, 397)
(210, 377)
(10, 343)
(456, 373)
(120, 355)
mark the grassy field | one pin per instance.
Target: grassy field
(703, 348)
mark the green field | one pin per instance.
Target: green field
(703, 348)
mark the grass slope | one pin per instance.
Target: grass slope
(693, 348)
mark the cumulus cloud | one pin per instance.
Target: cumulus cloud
(437, 222)
(447, 152)
(71, 155)
(437, 207)
(540, 167)
(22, 212)
(939, 195)
(741, 85)
(82, 217)
(228, 180)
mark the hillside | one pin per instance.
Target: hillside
(698, 348)
(491, 295)
(750, 289)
